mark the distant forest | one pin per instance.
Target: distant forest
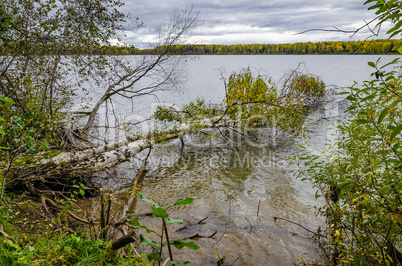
(352, 47)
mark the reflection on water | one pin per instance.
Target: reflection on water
(240, 191)
(231, 188)
(231, 193)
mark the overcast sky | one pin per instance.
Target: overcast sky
(250, 21)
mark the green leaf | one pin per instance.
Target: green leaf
(382, 115)
(147, 200)
(10, 245)
(159, 212)
(394, 103)
(158, 246)
(135, 222)
(382, 152)
(182, 202)
(396, 131)
(393, 161)
(146, 241)
(362, 121)
(178, 263)
(179, 244)
(171, 221)
(155, 256)
(368, 98)
(8, 100)
(346, 186)
(371, 64)
(396, 146)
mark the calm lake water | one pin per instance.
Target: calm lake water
(202, 78)
(239, 191)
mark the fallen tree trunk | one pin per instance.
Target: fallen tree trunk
(95, 159)
(99, 158)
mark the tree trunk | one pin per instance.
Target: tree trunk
(105, 156)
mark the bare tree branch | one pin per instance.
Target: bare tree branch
(156, 72)
(352, 32)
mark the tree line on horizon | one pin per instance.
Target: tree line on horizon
(380, 46)
(328, 47)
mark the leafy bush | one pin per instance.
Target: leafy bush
(254, 100)
(308, 88)
(360, 177)
(248, 97)
(28, 131)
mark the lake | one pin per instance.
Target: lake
(240, 192)
(202, 79)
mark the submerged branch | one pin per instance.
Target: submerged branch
(308, 230)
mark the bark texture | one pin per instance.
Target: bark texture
(105, 156)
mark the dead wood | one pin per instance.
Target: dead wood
(105, 156)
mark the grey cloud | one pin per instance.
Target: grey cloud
(276, 15)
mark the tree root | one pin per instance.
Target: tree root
(45, 200)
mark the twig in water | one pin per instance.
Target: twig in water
(308, 230)
(224, 232)
(202, 220)
(200, 236)
(251, 229)
(238, 257)
(258, 209)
